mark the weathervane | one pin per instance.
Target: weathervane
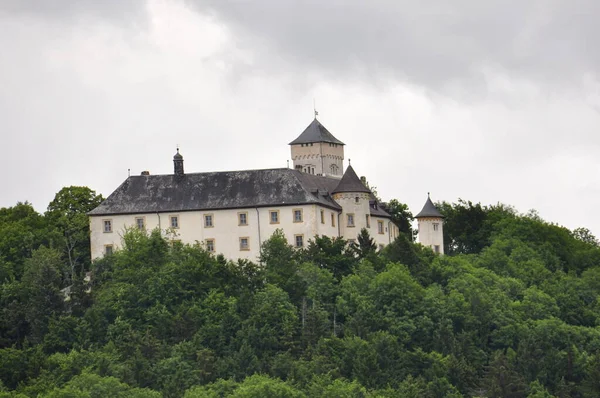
(315, 108)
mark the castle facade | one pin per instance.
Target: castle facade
(234, 212)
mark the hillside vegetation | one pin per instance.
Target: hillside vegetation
(512, 310)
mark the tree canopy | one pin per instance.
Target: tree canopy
(511, 311)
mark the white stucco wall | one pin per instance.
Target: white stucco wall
(428, 236)
(389, 231)
(226, 230)
(358, 208)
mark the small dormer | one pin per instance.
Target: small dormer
(317, 151)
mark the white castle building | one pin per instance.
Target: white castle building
(234, 212)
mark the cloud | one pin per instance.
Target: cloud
(433, 43)
(486, 101)
(118, 11)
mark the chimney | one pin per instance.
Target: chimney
(145, 173)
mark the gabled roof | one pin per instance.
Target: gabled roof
(429, 210)
(316, 132)
(218, 190)
(350, 183)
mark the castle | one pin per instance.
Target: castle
(234, 212)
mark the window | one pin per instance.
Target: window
(350, 220)
(299, 239)
(208, 221)
(380, 226)
(357, 199)
(436, 249)
(140, 223)
(243, 218)
(107, 226)
(244, 243)
(297, 215)
(436, 226)
(322, 216)
(108, 250)
(332, 219)
(368, 221)
(174, 221)
(210, 245)
(274, 215)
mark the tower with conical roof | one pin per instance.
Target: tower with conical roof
(178, 164)
(317, 151)
(431, 227)
(354, 197)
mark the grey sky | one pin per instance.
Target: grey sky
(495, 101)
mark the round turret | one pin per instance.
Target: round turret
(431, 227)
(353, 196)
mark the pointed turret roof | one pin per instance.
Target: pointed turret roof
(350, 183)
(316, 132)
(429, 210)
(177, 156)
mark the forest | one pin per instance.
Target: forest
(511, 310)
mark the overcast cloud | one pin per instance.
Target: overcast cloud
(495, 101)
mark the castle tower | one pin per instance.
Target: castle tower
(354, 198)
(317, 151)
(431, 227)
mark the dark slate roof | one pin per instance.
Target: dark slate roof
(376, 210)
(177, 156)
(218, 190)
(350, 183)
(429, 210)
(316, 132)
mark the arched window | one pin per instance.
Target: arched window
(334, 169)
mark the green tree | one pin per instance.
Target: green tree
(89, 385)
(585, 235)
(41, 290)
(501, 379)
(272, 322)
(326, 387)
(401, 217)
(468, 227)
(280, 262)
(22, 230)
(537, 390)
(331, 254)
(255, 386)
(68, 213)
(365, 247)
